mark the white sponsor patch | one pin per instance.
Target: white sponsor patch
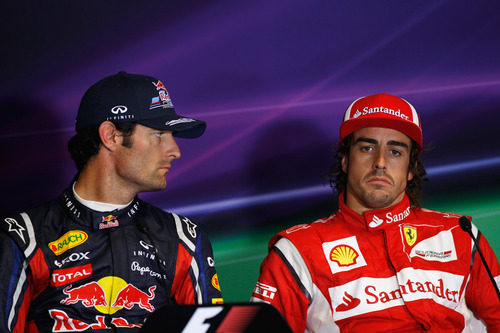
(440, 247)
(343, 254)
(375, 294)
(179, 121)
(264, 291)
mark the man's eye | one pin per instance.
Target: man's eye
(395, 152)
(158, 134)
(366, 148)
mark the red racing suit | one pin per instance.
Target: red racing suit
(68, 268)
(401, 269)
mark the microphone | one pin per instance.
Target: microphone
(141, 224)
(467, 227)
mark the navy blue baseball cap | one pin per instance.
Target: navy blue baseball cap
(141, 99)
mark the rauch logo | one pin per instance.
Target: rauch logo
(68, 241)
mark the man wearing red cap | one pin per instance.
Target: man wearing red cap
(381, 262)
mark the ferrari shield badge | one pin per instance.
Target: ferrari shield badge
(410, 235)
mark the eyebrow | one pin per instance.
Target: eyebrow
(390, 143)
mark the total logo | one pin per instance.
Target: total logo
(109, 294)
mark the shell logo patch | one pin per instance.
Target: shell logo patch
(69, 240)
(215, 282)
(410, 235)
(344, 255)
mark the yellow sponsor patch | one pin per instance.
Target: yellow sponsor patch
(217, 301)
(410, 235)
(215, 282)
(68, 241)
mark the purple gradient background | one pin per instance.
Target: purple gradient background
(271, 78)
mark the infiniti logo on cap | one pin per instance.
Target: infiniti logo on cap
(119, 109)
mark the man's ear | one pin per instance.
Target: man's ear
(110, 136)
(345, 163)
(411, 173)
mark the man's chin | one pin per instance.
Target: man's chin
(155, 187)
(378, 199)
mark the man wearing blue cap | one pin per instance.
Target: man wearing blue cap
(381, 263)
(98, 257)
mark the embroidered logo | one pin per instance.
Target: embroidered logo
(264, 291)
(376, 221)
(343, 254)
(68, 241)
(60, 277)
(215, 282)
(410, 235)
(350, 303)
(191, 227)
(16, 227)
(108, 222)
(434, 243)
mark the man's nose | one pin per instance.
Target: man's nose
(172, 149)
(380, 160)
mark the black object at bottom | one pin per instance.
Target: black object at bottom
(229, 317)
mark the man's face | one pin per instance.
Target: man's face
(377, 168)
(143, 166)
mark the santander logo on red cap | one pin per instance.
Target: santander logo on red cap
(382, 110)
(367, 110)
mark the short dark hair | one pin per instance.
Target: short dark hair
(414, 189)
(86, 143)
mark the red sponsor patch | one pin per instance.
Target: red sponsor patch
(350, 302)
(61, 277)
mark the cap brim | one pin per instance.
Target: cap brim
(182, 127)
(405, 127)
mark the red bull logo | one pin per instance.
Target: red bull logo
(110, 294)
(90, 294)
(130, 296)
(159, 85)
(64, 323)
(108, 222)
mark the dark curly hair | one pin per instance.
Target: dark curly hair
(414, 189)
(86, 143)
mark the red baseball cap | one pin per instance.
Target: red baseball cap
(382, 110)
